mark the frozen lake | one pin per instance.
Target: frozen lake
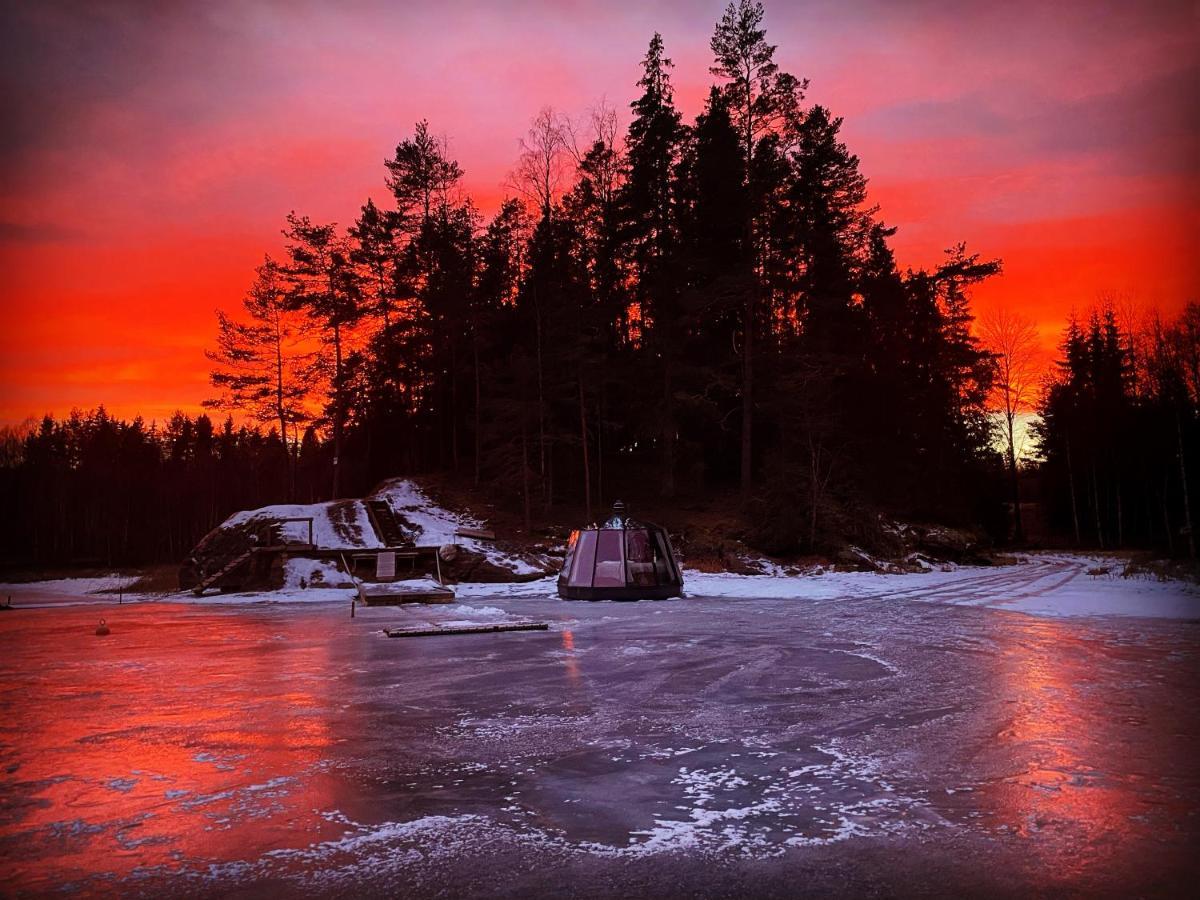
(850, 743)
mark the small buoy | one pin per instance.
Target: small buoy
(102, 630)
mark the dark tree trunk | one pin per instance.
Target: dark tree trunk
(583, 440)
(1074, 502)
(525, 469)
(748, 395)
(1096, 507)
(338, 412)
(475, 353)
(668, 432)
(1015, 485)
(1187, 500)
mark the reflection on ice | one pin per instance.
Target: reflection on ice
(1079, 785)
(164, 761)
(245, 747)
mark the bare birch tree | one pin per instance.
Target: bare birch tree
(1013, 339)
(544, 162)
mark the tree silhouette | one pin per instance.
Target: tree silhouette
(762, 101)
(322, 282)
(264, 365)
(1012, 339)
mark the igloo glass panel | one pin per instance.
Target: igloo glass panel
(662, 560)
(610, 559)
(640, 551)
(583, 560)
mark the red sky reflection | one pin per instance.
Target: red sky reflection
(135, 756)
(151, 152)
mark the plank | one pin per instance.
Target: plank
(485, 533)
(466, 629)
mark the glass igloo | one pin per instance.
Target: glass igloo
(623, 559)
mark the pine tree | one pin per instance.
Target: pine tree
(263, 365)
(420, 176)
(374, 249)
(762, 101)
(323, 283)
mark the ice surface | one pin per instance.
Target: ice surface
(726, 746)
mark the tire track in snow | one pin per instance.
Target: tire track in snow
(983, 590)
(989, 581)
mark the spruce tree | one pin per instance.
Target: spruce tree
(651, 239)
(762, 101)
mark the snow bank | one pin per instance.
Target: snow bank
(435, 525)
(298, 595)
(339, 525)
(541, 589)
(302, 574)
(1056, 585)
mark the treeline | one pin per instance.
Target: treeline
(1119, 432)
(685, 305)
(91, 489)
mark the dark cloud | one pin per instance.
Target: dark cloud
(1150, 124)
(23, 233)
(1141, 125)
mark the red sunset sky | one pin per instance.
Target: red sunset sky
(151, 150)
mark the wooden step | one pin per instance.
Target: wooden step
(383, 520)
(212, 579)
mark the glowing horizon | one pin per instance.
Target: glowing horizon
(154, 155)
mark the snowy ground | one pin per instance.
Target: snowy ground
(760, 737)
(1042, 584)
(1048, 584)
(436, 525)
(62, 591)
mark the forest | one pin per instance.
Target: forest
(678, 308)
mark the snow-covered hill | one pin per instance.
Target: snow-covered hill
(431, 524)
(345, 526)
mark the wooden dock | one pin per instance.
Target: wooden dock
(396, 592)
